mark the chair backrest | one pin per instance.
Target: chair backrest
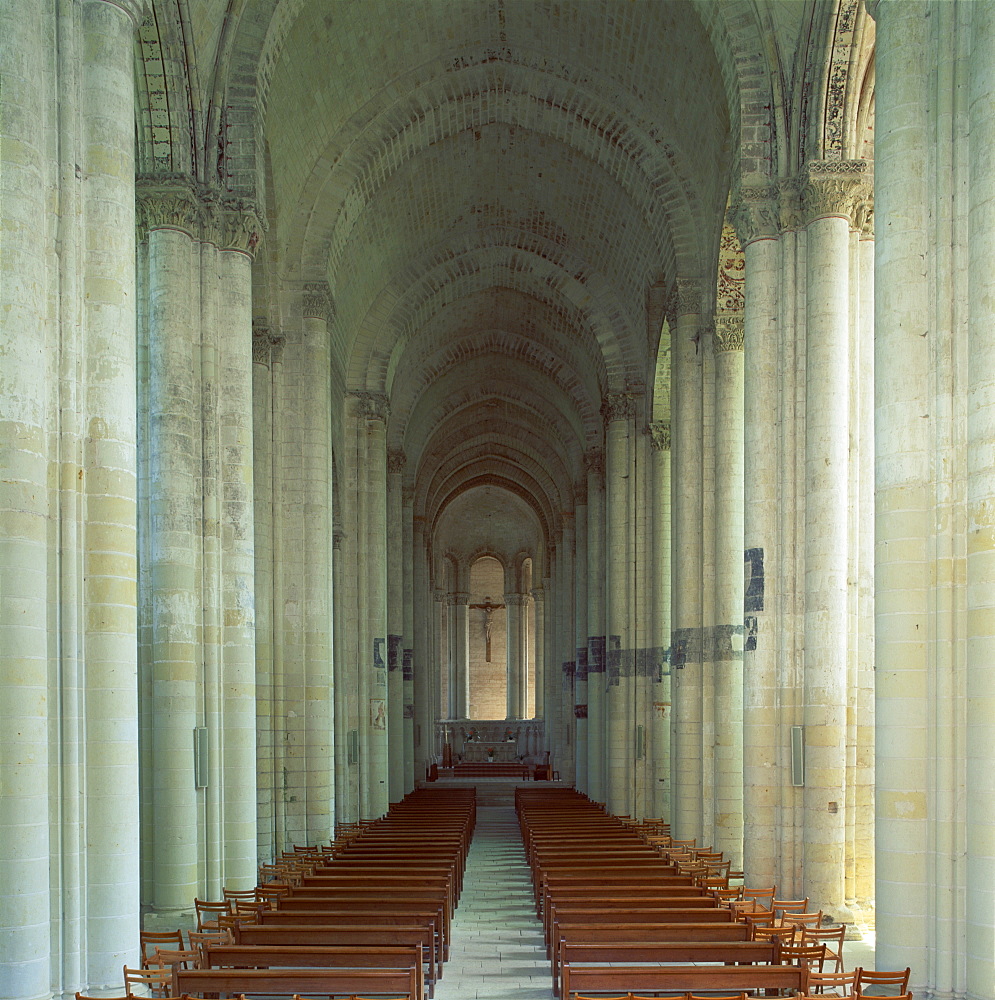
(841, 983)
(812, 955)
(150, 940)
(761, 897)
(154, 981)
(882, 977)
(782, 906)
(208, 911)
(812, 919)
(786, 935)
(185, 958)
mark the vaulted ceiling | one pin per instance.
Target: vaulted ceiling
(498, 193)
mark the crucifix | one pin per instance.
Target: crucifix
(488, 610)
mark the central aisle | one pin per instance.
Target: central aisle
(496, 951)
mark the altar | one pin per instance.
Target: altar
(500, 753)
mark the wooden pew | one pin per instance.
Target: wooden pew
(350, 933)
(682, 978)
(609, 906)
(598, 933)
(634, 915)
(575, 954)
(369, 913)
(377, 899)
(440, 878)
(286, 982)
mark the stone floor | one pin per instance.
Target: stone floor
(496, 951)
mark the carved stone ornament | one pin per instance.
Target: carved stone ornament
(580, 493)
(396, 461)
(169, 202)
(755, 213)
(659, 433)
(372, 405)
(260, 345)
(728, 334)
(317, 301)
(835, 187)
(688, 297)
(789, 206)
(276, 346)
(241, 226)
(618, 406)
(538, 594)
(594, 461)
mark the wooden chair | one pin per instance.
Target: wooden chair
(715, 996)
(782, 906)
(786, 935)
(881, 979)
(153, 982)
(150, 940)
(812, 919)
(208, 912)
(762, 898)
(166, 958)
(832, 938)
(841, 984)
(200, 938)
(812, 955)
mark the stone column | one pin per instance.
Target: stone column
(728, 639)
(236, 688)
(538, 595)
(425, 663)
(171, 573)
(619, 413)
(564, 756)
(658, 803)
(346, 810)
(316, 561)
(262, 524)
(375, 719)
(580, 636)
(980, 735)
(107, 628)
(594, 461)
(513, 617)
(554, 668)
(686, 643)
(395, 625)
(765, 739)
(828, 198)
(26, 403)
(412, 771)
(460, 610)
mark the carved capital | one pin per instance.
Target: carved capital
(834, 188)
(515, 600)
(371, 405)
(168, 202)
(659, 434)
(260, 345)
(687, 297)
(396, 461)
(239, 226)
(276, 346)
(789, 205)
(458, 600)
(728, 334)
(618, 406)
(755, 213)
(580, 493)
(594, 462)
(317, 301)
(538, 594)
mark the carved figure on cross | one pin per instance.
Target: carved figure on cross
(488, 609)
